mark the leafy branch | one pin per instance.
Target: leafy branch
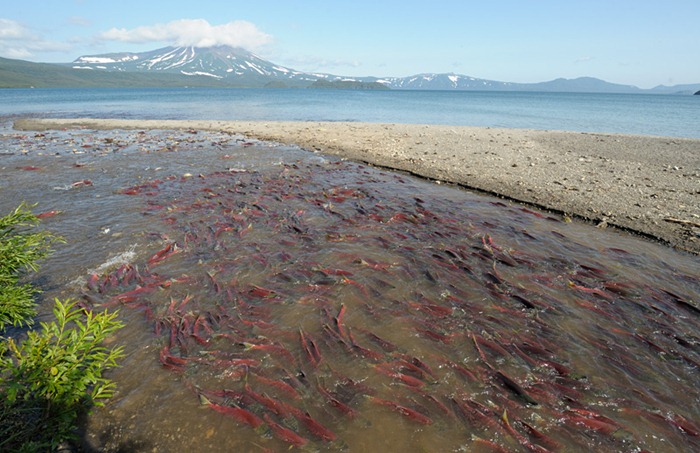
(64, 361)
(57, 372)
(20, 250)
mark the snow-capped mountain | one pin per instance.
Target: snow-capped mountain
(233, 66)
(227, 63)
(220, 62)
(467, 83)
(443, 82)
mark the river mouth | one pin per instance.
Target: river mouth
(275, 297)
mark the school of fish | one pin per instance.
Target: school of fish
(281, 326)
(328, 306)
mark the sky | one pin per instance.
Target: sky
(643, 42)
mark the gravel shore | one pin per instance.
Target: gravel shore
(646, 185)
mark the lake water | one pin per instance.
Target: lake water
(666, 115)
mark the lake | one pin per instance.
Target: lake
(665, 115)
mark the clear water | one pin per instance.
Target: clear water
(665, 115)
(437, 314)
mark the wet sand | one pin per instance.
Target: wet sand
(645, 185)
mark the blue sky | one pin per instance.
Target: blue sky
(644, 43)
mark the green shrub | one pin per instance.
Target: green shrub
(56, 373)
(20, 249)
(64, 361)
(17, 306)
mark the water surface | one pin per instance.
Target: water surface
(275, 297)
(644, 114)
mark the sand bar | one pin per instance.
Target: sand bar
(642, 184)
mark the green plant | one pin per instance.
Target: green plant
(64, 361)
(56, 373)
(20, 249)
(59, 368)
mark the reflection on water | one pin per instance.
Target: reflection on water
(277, 298)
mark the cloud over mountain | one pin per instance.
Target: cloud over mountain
(193, 32)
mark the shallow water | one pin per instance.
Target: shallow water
(347, 308)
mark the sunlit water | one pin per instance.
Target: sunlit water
(276, 298)
(645, 114)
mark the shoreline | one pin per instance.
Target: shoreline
(646, 185)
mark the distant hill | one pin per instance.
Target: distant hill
(677, 89)
(467, 83)
(24, 74)
(224, 67)
(348, 85)
(431, 81)
(583, 85)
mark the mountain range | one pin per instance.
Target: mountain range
(224, 66)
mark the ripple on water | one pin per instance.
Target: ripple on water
(395, 313)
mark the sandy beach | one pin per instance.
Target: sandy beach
(645, 185)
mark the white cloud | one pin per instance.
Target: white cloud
(319, 64)
(11, 30)
(193, 32)
(18, 41)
